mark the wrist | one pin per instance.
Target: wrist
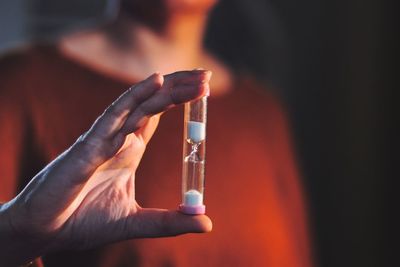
(17, 248)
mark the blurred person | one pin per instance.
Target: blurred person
(86, 196)
(253, 192)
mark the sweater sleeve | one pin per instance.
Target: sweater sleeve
(291, 188)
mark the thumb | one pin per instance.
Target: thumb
(163, 223)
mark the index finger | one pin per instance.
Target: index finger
(178, 88)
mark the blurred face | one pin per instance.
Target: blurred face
(168, 7)
(189, 5)
(154, 13)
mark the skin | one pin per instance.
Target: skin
(149, 36)
(90, 188)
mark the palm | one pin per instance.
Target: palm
(108, 198)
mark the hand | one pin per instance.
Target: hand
(86, 197)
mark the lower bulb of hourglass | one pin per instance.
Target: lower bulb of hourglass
(193, 171)
(193, 198)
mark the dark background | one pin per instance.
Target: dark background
(333, 63)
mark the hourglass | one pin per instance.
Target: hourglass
(194, 142)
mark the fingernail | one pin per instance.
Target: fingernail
(154, 76)
(207, 76)
(206, 89)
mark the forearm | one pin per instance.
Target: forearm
(16, 248)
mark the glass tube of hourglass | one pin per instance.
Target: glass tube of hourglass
(194, 144)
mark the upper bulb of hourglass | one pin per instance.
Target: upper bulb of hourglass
(196, 132)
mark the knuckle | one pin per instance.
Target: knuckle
(135, 96)
(90, 149)
(173, 97)
(112, 110)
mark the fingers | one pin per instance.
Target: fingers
(110, 122)
(177, 88)
(132, 110)
(162, 223)
(127, 114)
